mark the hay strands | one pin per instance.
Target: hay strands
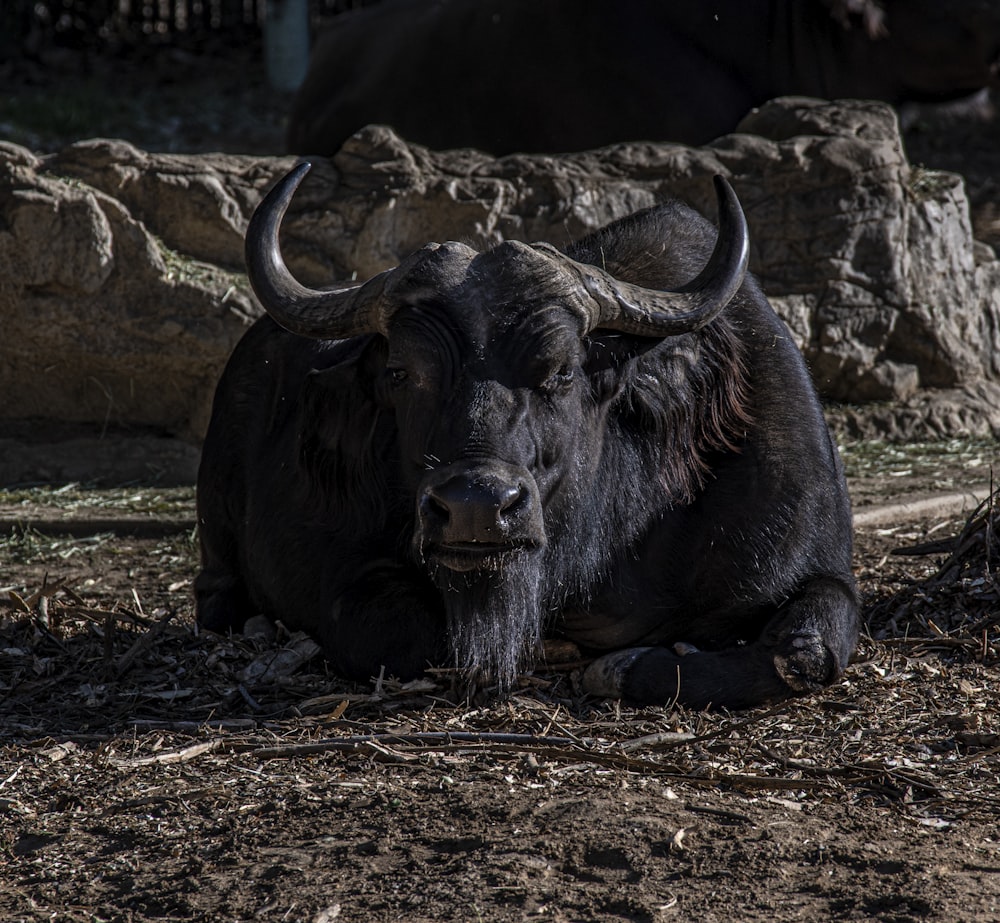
(958, 603)
(977, 548)
(389, 747)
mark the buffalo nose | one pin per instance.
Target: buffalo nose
(480, 509)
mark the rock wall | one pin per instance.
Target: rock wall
(122, 293)
(119, 305)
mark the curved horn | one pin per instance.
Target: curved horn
(647, 312)
(320, 313)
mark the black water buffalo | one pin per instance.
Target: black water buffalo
(567, 75)
(619, 445)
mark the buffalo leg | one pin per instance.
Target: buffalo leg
(386, 618)
(221, 602)
(804, 647)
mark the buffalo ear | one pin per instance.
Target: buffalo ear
(359, 375)
(611, 349)
(344, 434)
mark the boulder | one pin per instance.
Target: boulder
(122, 291)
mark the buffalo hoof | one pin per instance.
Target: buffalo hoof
(261, 628)
(805, 663)
(605, 677)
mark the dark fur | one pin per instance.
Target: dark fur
(685, 489)
(569, 75)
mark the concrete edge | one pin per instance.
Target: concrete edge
(935, 506)
(79, 527)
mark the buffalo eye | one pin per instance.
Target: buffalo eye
(560, 378)
(397, 376)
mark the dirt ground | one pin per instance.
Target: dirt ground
(151, 773)
(148, 772)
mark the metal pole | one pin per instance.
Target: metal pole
(286, 43)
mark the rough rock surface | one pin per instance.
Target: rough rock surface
(122, 291)
(104, 321)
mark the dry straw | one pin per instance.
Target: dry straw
(90, 690)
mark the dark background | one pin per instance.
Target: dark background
(189, 76)
(168, 75)
(35, 28)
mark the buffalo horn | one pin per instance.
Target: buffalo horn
(647, 312)
(322, 313)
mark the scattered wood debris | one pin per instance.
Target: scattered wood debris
(134, 689)
(958, 604)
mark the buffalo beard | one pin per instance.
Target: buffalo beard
(493, 618)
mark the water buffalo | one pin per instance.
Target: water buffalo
(567, 75)
(619, 445)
